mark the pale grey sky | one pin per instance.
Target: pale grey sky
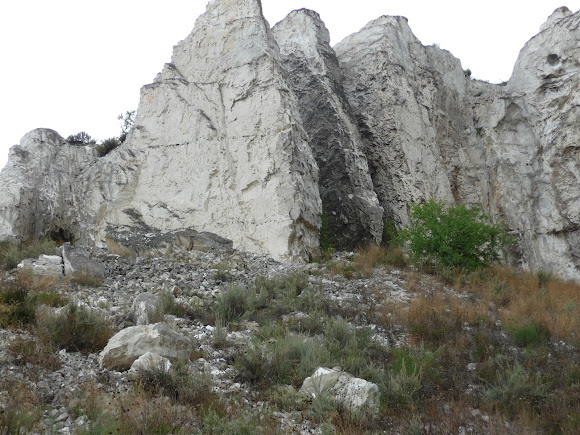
(73, 65)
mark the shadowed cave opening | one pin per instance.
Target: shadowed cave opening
(60, 236)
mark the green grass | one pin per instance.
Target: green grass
(529, 334)
(234, 303)
(17, 306)
(515, 387)
(11, 254)
(77, 329)
(179, 384)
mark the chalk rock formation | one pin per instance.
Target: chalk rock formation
(348, 199)
(78, 263)
(145, 307)
(431, 132)
(149, 362)
(414, 115)
(230, 137)
(218, 145)
(531, 133)
(355, 394)
(221, 143)
(41, 185)
(45, 265)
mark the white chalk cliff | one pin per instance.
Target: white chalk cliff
(251, 132)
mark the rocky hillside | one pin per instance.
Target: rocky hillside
(165, 339)
(259, 135)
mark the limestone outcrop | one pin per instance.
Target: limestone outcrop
(534, 148)
(414, 114)
(251, 132)
(41, 187)
(218, 145)
(355, 394)
(431, 132)
(348, 199)
(131, 343)
(221, 144)
(78, 263)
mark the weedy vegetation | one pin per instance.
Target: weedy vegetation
(469, 343)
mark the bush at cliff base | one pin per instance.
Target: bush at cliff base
(456, 236)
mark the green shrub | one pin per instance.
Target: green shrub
(279, 295)
(415, 427)
(295, 357)
(167, 304)
(220, 335)
(20, 410)
(222, 272)
(51, 299)
(339, 334)
(17, 306)
(390, 234)
(35, 352)
(11, 254)
(81, 138)
(179, 384)
(128, 119)
(458, 237)
(233, 303)
(403, 385)
(243, 422)
(286, 398)
(108, 145)
(516, 388)
(77, 329)
(287, 360)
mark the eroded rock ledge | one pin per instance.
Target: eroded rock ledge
(252, 132)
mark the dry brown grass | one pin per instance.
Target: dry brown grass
(21, 410)
(369, 258)
(35, 352)
(414, 281)
(552, 303)
(440, 316)
(373, 255)
(116, 248)
(87, 280)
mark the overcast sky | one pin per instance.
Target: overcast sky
(75, 65)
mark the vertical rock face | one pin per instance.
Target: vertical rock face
(531, 131)
(36, 187)
(428, 131)
(230, 137)
(221, 144)
(414, 116)
(348, 199)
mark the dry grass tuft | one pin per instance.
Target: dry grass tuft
(550, 302)
(87, 280)
(22, 409)
(369, 258)
(439, 317)
(35, 352)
